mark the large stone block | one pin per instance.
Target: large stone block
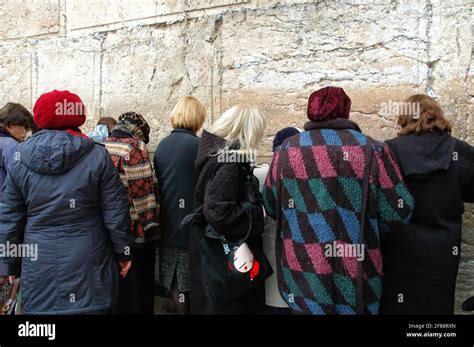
(16, 74)
(112, 14)
(69, 64)
(147, 70)
(20, 19)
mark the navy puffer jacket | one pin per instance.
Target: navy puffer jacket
(65, 196)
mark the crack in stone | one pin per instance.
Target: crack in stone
(429, 77)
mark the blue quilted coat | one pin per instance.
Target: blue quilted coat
(65, 196)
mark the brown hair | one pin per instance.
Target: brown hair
(427, 117)
(109, 122)
(15, 114)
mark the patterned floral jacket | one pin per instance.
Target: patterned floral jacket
(132, 161)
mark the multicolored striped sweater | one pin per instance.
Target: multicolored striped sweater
(131, 159)
(319, 175)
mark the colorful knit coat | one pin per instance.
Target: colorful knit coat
(132, 161)
(317, 177)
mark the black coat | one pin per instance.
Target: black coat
(225, 213)
(439, 172)
(177, 177)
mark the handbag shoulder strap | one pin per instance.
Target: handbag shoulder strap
(363, 212)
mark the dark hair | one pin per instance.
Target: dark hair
(282, 135)
(109, 122)
(32, 126)
(15, 114)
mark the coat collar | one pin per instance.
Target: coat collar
(5, 133)
(76, 132)
(183, 130)
(336, 124)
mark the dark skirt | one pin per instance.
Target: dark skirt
(410, 294)
(136, 294)
(174, 268)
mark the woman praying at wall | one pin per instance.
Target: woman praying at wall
(127, 147)
(421, 259)
(64, 196)
(225, 162)
(15, 121)
(177, 177)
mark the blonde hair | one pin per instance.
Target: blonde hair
(188, 113)
(242, 126)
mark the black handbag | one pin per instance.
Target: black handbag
(221, 280)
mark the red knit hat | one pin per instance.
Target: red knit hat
(59, 109)
(329, 103)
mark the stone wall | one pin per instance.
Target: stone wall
(122, 55)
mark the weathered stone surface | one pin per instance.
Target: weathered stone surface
(19, 19)
(69, 64)
(148, 69)
(16, 74)
(143, 56)
(106, 14)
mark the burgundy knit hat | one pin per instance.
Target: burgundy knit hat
(59, 110)
(328, 103)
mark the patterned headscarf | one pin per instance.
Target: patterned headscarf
(136, 124)
(329, 103)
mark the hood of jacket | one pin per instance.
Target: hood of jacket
(423, 154)
(209, 144)
(52, 152)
